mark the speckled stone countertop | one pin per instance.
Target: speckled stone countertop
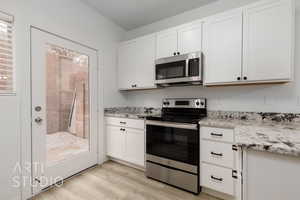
(271, 132)
(131, 112)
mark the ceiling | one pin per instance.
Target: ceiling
(131, 14)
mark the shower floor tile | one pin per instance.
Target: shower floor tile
(61, 145)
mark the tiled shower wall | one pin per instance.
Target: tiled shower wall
(64, 76)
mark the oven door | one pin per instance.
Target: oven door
(173, 141)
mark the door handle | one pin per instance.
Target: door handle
(38, 120)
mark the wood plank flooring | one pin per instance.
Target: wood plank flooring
(113, 181)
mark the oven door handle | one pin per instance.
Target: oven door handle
(173, 125)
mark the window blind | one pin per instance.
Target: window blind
(6, 54)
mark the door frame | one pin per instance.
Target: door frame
(98, 114)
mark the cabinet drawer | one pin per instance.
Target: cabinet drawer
(217, 134)
(125, 122)
(217, 153)
(217, 178)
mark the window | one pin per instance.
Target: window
(6, 54)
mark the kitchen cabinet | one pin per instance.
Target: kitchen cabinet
(115, 141)
(253, 44)
(166, 44)
(220, 163)
(248, 45)
(190, 38)
(134, 146)
(222, 48)
(270, 176)
(180, 40)
(268, 41)
(136, 64)
(126, 140)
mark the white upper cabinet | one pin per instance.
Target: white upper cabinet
(166, 44)
(190, 38)
(256, 45)
(251, 44)
(268, 41)
(222, 48)
(136, 63)
(180, 40)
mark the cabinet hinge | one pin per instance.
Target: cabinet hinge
(234, 148)
(234, 174)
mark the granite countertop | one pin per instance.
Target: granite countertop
(271, 132)
(131, 112)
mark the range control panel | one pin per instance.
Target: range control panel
(184, 103)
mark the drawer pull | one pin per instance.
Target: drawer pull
(122, 129)
(216, 179)
(122, 122)
(216, 154)
(216, 134)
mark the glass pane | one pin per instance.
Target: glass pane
(67, 103)
(170, 70)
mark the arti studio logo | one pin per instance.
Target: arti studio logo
(20, 179)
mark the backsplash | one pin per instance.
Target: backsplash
(256, 116)
(133, 110)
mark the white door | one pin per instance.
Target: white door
(268, 41)
(166, 44)
(64, 108)
(190, 38)
(134, 139)
(222, 48)
(115, 141)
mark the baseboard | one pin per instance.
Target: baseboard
(217, 194)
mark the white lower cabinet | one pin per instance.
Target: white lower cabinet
(134, 146)
(270, 176)
(126, 143)
(115, 141)
(220, 163)
(218, 178)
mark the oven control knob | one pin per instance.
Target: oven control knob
(197, 103)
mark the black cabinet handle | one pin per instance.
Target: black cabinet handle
(216, 134)
(122, 129)
(122, 122)
(234, 174)
(245, 77)
(174, 53)
(217, 179)
(238, 78)
(134, 85)
(178, 53)
(216, 154)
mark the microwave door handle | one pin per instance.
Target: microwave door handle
(187, 67)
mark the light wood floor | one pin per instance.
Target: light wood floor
(113, 181)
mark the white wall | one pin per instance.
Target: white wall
(267, 98)
(68, 18)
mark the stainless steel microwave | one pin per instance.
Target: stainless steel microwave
(181, 69)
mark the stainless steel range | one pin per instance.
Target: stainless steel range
(172, 143)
